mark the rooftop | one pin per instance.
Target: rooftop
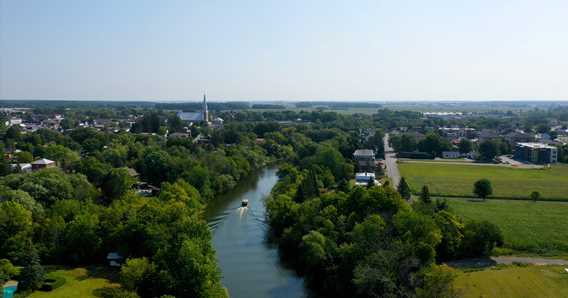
(364, 152)
(43, 161)
(536, 145)
(190, 116)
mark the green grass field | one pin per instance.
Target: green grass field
(457, 180)
(529, 282)
(79, 282)
(540, 228)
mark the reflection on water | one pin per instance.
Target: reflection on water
(250, 265)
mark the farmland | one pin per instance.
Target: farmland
(457, 180)
(536, 227)
(514, 281)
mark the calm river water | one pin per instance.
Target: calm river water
(250, 266)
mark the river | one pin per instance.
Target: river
(250, 266)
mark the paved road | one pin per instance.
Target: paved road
(390, 162)
(506, 260)
(528, 260)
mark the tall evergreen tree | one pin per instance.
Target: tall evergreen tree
(404, 189)
(425, 195)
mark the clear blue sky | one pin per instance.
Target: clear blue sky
(284, 50)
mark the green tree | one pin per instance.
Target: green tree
(535, 196)
(81, 241)
(308, 188)
(7, 270)
(404, 189)
(117, 182)
(480, 238)
(314, 244)
(488, 150)
(437, 281)
(64, 156)
(482, 188)
(14, 132)
(135, 271)
(15, 230)
(24, 157)
(425, 195)
(175, 123)
(32, 274)
(465, 146)
(433, 144)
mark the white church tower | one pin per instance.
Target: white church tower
(204, 109)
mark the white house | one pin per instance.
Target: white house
(364, 178)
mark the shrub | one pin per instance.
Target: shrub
(52, 282)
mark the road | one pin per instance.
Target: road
(390, 162)
(506, 260)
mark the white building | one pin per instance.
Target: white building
(364, 178)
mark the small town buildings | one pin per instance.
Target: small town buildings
(179, 135)
(201, 116)
(21, 167)
(14, 121)
(364, 178)
(365, 160)
(42, 164)
(217, 123)
(196, 117)
(537, 153)
(451, 154)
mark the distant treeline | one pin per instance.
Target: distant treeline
(267, 106)
(192, 106)
(338, 105)
(73, 104)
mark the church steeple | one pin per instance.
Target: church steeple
(204, 109)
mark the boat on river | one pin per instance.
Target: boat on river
(244, 202)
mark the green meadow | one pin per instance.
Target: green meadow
(514, 281)
(79, 282)
(457, 180)
(534, 227)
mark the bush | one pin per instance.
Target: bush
(416, 155)
(115, 293)
(52, 282)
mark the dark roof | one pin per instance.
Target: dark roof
(190, 116)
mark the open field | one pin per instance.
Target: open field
(514, 281)
(457, 180)
(535, 227)
(79, 282)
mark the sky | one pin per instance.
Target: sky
(359, 50)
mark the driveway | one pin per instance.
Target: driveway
(390, 163)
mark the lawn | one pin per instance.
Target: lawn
(457, 180)
(79, 282)
(536, 227)
(514, 281)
